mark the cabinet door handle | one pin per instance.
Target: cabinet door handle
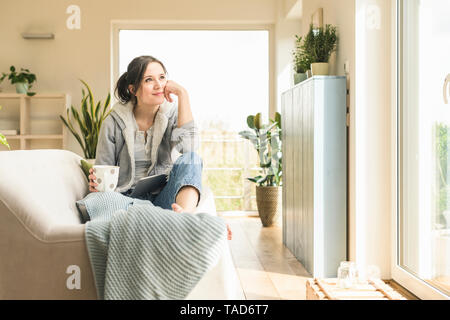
(446, 85)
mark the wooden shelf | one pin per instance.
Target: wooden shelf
(44, 136)
(28, 139)
(35, 137)
(12, 95)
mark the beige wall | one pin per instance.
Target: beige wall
(287, 26)
(86, 53)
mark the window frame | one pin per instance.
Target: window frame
(416, 285)
(117, 25)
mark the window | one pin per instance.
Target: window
(424, 143)
(226, 73)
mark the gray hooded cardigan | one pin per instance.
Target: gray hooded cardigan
(116, 141)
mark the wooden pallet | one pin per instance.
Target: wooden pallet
(328, 289)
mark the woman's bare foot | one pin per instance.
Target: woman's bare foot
(230, 234)
(179, 209)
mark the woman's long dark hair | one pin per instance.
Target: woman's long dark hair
(133, 75)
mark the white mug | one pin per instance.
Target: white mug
(106, 177)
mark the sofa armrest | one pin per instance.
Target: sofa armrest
(40, 187)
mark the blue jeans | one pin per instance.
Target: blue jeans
(186, 171)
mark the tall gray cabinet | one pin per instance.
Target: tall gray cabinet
(315, 173)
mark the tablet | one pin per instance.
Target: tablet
(150, 184)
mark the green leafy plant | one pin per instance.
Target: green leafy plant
(24, 76)
(89, 121)
(302, 62)
(266, 139)
(320, 43)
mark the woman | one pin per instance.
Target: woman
(141, 132)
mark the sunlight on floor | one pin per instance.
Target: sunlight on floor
(266, 268)
(270, 285)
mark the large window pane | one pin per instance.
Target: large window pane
(424, 158)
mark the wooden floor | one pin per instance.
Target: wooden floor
(266, 268)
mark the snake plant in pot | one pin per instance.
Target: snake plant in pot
(267, 140)
(89, 121)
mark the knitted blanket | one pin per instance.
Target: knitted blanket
(139, 251)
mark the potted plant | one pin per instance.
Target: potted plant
(267, 142)
(319, 44)
(89, 122)
(302, 62)
(23, 80)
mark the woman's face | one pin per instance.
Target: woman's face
(151, 90)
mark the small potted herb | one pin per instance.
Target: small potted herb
(319, 44)
(23, 80)
(302, 61)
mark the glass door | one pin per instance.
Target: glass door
(424, 142)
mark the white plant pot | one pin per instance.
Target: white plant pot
(21, 87)
(319, 69)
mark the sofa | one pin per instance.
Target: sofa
(42, 236)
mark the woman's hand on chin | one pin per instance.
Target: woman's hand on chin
(174, 88)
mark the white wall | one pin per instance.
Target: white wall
(371, 225)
